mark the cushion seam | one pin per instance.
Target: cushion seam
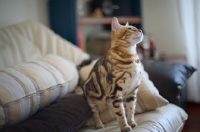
(40, 91)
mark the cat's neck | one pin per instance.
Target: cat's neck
(131, 49)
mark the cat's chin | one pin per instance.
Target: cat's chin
(134, 44)
(139, 37)
(137, 40)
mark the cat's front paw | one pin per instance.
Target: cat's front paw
(133, 124)
(99, 126)
(126, 129)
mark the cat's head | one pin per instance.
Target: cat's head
(128, 35)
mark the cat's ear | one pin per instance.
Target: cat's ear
(115, 24)
(127, 24)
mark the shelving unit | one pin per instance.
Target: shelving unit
(64, 20)
(107, 20)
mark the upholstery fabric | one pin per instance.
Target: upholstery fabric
(64, 115)
(29, 40)
(31, 86)
(169, 118)
(148, 97)
(169, 77)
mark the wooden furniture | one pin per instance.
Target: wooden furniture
(193, 122)
(174, 58)
(107, 20)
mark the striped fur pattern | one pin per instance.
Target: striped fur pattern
(115, 78)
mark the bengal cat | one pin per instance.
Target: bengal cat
(115, 78)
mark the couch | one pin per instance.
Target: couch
(40, 80)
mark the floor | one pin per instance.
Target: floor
(193, 122)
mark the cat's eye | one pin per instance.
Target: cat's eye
(130, 28)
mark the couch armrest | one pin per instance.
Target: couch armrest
(170, 78)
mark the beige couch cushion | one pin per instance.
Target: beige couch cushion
(169, 118)
(30, 40)
(31, 86)
(148, 96)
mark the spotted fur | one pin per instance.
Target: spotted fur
(115, 78)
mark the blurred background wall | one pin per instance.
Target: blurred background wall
(159, 18)
(14, 11)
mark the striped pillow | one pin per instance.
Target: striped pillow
(28, 87)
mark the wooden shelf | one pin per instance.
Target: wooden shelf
(107, 20)
(175, 58)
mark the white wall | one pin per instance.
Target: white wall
(160, 18)
(14, 11)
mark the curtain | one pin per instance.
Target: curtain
(189, 19)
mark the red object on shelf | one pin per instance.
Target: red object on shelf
(80, 39)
